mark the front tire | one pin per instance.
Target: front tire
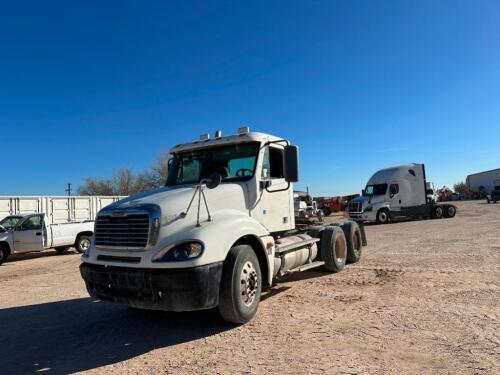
(383, 216)
(4, 254)
(240, 286)
(82, 243)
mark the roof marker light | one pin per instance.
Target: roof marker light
(244, 130)
(218, 134)
(204, 137)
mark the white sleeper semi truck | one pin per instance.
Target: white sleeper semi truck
(398, 193)
(220, 230)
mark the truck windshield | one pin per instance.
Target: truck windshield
(378, 189)
(10, 221)
(234, 162)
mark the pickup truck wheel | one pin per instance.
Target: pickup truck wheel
(383, 216)
(333, 249)
(82, 243)
(240, 286)
(437, 212)
(353, 240)
(450, 211)
(4, 254)
(61, 250)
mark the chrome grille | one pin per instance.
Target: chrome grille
(123, 230)
(355, 207)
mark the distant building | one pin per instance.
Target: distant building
(484, 182)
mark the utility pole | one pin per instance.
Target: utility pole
(68, 189)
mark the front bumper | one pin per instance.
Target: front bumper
(179, 289)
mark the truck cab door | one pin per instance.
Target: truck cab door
(275, 204)
(394, 196)
(27, 235)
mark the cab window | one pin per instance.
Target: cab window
(272, 164)
(32, 223)
(394, 189)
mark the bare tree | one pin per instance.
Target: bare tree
(125, 182)
(461, 188)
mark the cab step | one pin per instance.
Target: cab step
(307, 266)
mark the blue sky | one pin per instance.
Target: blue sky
(89, 87)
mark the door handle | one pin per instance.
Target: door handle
(38, 233)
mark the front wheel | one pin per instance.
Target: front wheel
(82, 243)
(3, 255)
(240, 286)
(383, 216)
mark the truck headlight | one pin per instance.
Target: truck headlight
(368, 209)
(182, 251)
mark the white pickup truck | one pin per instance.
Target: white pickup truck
(34, 233)
(221, 229)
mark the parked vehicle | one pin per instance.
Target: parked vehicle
(494, 196)
(221, 229)
(397, 193)
(483, 183)
(9, 222)
(33, 232)
(306, 209)
(59, 209)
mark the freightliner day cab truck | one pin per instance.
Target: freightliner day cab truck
(220, 230)
(398, 193)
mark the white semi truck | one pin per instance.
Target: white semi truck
(398, 193)
(220, 230)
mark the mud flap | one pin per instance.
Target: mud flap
(363, 233)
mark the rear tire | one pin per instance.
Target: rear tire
(61, 250)
(383, 216)
(240, 286)
(450, 211)
(333, 249)
(353, 240)
(437, 212)
(82, 243)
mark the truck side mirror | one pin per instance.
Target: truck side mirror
(291, 163)
(213, 180)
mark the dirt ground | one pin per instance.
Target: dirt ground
(425, 299)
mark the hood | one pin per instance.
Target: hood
(366, 200)
(174, 200)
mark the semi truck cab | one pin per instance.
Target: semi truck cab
(220, 229)
(399, 192)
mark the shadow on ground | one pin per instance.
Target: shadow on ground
(77, 335)
(38, 254)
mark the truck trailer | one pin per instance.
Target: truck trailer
(220, 230)
(483, 183)
(398, 193)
